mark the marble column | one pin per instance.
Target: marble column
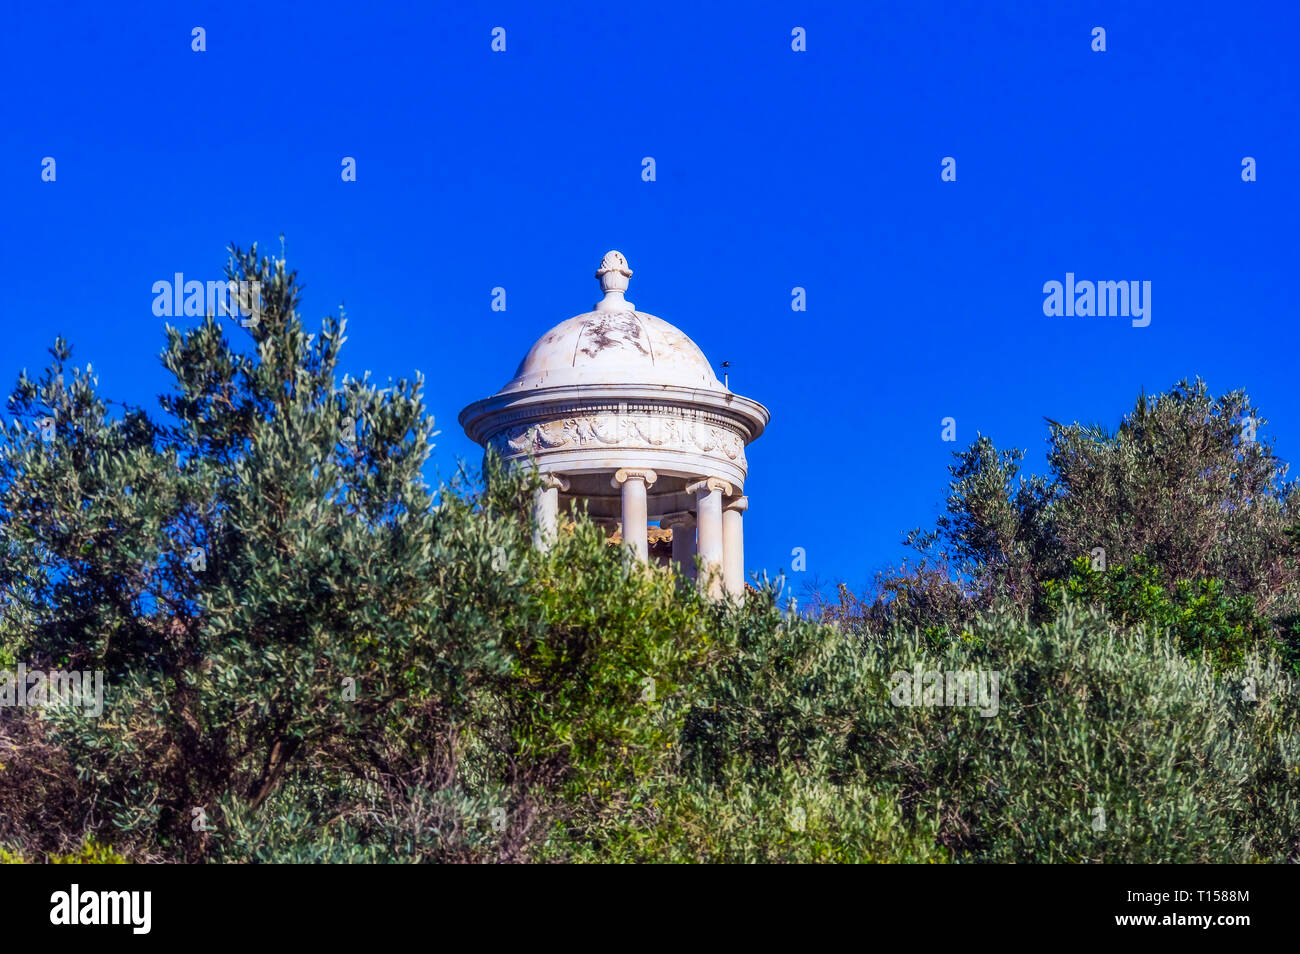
(708, 515)
(546, 509)
(634, 482)
(683, 527)
(733, 546)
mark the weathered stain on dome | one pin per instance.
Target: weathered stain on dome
(611, 331)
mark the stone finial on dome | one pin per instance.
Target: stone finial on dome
(614, 274)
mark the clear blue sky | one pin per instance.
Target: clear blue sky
(775, 169)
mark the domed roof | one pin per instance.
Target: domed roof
(621, 347)
(614, 344)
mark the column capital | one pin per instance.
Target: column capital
(624, 474)
(554, 482)
(737, 504)
(708, 485)
(682, 518)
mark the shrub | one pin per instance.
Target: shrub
(364, 668)
(1092, 716)
(1204, 622)
(90, 853)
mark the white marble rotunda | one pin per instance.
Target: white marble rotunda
(621, 410)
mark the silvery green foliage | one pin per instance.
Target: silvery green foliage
(1177, 484)
(496, 705)
(1180, 485)
(490, 696)
(1187, 768)
(319, 560)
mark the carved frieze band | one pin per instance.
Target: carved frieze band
(563, 409)
(615, 430)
